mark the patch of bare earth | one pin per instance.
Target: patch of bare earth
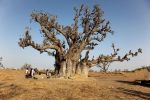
(99, 86)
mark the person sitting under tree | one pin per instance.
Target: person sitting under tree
(48, 74)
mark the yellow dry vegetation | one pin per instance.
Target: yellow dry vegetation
(99, 86)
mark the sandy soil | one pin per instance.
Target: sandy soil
(99, 86)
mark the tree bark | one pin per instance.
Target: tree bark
(68, 69)
(62, 72)
(84, 70)
(78, 70)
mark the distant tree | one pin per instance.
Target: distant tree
(25, 66)
(91, 70)
(1, 65)
(126, 70)
(103, 66)
(88, 30)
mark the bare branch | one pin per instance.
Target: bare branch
(113, 57)
(27, 41)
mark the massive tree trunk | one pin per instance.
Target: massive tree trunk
(70, 68)
(78, 70)
(84, 70)
(62, 72)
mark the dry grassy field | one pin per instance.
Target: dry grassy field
(99, 86)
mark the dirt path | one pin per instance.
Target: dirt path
(101, 87)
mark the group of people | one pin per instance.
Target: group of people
(30, 73)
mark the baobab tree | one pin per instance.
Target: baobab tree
(87, 31)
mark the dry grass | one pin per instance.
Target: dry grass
(99, 86)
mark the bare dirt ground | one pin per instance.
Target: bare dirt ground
(99, 86)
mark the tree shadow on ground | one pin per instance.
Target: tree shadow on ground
(8, 91)
(140, 94)
(133, 83)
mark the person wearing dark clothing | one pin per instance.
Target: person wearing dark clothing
(48, 74)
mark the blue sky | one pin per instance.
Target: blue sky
(130, 19)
